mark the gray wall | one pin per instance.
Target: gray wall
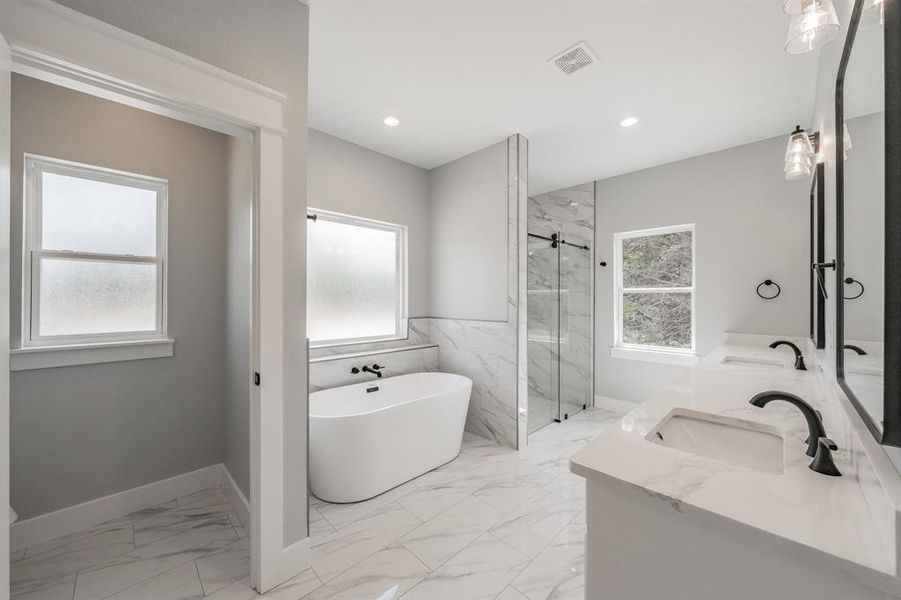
(750, 225)
(81, 432)
(350, 179)
(468, 233)
(865, 228)
(265, 41)
(238, 291)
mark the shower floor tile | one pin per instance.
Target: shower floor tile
(494, 523)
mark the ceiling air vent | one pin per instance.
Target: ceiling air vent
(575, 58)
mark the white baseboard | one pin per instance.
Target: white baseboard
(620, 406)
(93, 512)
(236, 497)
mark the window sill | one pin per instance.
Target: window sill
(658, 356)
(46, 357)
(357, 342)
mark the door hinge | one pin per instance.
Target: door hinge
(256, 379)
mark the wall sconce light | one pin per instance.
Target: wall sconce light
(873, 14)
(802, 147)
(814, 22)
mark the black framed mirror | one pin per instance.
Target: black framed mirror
(868, 218)
(818, 293)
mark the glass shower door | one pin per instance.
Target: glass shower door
(575, 329)
(543, 333)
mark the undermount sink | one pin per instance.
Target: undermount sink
(734, 441)
(753, 363)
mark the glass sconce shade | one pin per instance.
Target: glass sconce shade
(798, 155)
(873, 14)
(799, 144)
(816, 24)
(799, 170)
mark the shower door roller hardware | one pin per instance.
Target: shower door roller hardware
(256, 379)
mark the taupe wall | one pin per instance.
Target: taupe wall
(468, 235)
(750, 225)
(81, 432)
(265, 41)
(350, 179)
(238, 293)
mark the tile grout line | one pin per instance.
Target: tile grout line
(200, 579)
(369, 555)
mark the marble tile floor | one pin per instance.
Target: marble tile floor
(492, 524)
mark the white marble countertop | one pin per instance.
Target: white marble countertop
(824, 515)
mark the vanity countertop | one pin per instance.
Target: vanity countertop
(826, 515)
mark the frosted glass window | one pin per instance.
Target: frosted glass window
(85, 215)
(655, 289)
(355, 279)
(82, 297)
(95, 244)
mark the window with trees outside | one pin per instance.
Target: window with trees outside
(655, 294)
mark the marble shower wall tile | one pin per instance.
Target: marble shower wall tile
(486, 353)
(569, 211)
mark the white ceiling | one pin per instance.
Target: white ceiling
(701, 75)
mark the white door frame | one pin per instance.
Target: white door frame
(61, 46)
(4, 310)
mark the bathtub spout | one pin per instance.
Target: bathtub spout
(374, 369)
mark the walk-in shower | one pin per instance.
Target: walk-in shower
(560, 304)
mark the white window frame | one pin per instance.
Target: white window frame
(35, 167)
(620, 349)
(401, 318)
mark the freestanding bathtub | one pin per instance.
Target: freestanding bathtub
(367, 438)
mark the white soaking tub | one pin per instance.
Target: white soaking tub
(367, 438)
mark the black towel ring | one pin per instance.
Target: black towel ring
(768, 283)
(849, 281)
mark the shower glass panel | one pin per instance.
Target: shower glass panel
(560, 329)
(543, 334)
(575, 347)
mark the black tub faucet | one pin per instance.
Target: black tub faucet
(374, 369)
(814, 423)
(799, 358)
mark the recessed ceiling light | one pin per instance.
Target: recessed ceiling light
(391, 121)
(629, 122)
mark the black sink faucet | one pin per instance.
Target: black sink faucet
(374, 369)
(799, 358)
(814, 423)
